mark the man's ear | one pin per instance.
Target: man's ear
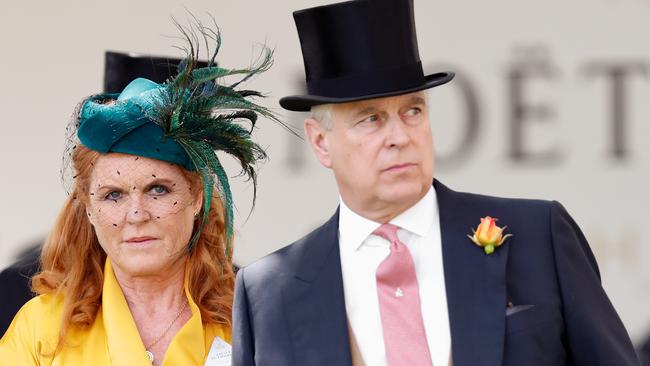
(317, 137)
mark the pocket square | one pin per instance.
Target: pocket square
(511, 310)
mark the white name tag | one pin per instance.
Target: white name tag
(220, 353)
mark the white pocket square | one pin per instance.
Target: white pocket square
(511, 310)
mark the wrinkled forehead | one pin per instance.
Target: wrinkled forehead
(396, 102)
(118, 169)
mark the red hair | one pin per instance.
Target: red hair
(72, 260)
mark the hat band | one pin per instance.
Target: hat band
(373, 82)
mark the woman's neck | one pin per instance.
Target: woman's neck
(158, 306)
(152, 294)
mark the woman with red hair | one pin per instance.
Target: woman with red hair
(137, 269)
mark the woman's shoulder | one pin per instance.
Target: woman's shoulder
(41, 316)
(43, 306)
(34, 328)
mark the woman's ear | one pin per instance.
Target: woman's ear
(317, 137)
(89, 216)
(197, 207)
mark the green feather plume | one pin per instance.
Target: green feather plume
(203, 115)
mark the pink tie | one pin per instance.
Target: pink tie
(399, 304)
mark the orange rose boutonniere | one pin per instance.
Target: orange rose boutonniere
(488, 235)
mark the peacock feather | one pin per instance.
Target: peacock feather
(203, 114)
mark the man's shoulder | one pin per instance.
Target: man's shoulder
(284, 261)
(521, 215)
(24, 268)
(516, 205)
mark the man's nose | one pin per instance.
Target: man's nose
(397, 135)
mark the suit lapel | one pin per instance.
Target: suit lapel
(475, 283)
(314, 301)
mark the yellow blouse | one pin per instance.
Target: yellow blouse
(112, 339)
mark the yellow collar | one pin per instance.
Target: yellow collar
(124, 344)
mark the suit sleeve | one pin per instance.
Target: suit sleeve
(243, 351)
(594, 332)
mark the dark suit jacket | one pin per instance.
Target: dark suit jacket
(289, 306)
(644, 352)
(15, 283)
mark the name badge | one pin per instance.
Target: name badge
(220, 353)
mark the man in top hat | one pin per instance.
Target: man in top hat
(396, 276)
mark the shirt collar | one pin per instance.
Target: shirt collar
(354, 228)
(124, 342)
(419, 218)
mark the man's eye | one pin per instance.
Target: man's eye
(113, 196)
(414, 111)
(159, 190)
(370, 119)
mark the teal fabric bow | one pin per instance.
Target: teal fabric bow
(184, 121)
(121, 123)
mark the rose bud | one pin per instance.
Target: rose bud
(488, 235)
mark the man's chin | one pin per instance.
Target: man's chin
(405, 194)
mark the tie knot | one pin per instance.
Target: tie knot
(388, 232)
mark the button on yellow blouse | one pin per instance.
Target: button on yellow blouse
(112, 339)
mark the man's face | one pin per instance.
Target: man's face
(381, 152)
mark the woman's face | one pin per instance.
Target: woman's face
(143, 212)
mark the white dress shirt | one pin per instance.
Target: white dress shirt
(361, 254)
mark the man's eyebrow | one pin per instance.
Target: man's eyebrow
(416, 100)
(365, 111)
(371, 109)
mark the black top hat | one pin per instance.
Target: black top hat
(359, 49)
(122, 68)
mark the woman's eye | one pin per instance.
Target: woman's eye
(113, 196)
(159, 190)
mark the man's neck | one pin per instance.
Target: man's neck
(381, 212)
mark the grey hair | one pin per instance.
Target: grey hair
(323, 114)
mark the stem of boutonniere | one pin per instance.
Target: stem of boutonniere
(489, 249)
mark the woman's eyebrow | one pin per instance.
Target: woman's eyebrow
(105, 187)
(160, 181)
(147, 184)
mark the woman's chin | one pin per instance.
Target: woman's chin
(145, 264)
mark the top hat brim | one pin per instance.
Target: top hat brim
(303, 103)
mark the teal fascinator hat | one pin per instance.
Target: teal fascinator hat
(119, 123)
(184, 121)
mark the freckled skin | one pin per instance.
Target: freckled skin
(134, 204)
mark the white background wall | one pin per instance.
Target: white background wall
(52, 53)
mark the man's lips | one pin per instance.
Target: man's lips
(398, 167)
(140, 239)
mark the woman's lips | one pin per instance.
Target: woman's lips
(140, 239)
